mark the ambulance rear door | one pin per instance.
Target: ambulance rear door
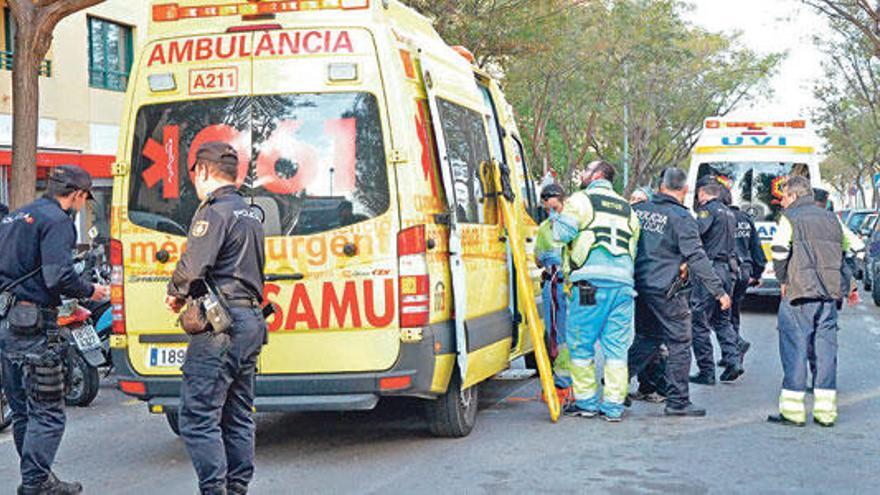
(477, 244)
(186, 91)
(322, 137)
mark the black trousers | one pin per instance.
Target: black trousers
(739, 295)
(707, 318)
(660, 320)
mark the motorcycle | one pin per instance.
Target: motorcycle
(5, 408)
(88, 345)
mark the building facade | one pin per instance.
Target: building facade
(82, 95)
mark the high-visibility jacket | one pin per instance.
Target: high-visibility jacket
(601, 233)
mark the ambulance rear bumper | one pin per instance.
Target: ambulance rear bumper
(412, 376)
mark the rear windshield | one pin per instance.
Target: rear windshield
(310, 162)
(755, 186)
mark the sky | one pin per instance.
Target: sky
(770, 26)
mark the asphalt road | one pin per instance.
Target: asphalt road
(115, 446)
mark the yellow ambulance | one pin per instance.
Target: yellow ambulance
(365, 143)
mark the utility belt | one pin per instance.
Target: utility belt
(243, 302)
(731, 262)
(27, 319)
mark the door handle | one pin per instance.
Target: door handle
(275, 277)
(502, 238)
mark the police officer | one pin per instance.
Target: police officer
(225, 252)
(600, 232)
(752, 262)
(670, 238)
(548, 256)
(717, 227)
(652, 381)
(36, 269)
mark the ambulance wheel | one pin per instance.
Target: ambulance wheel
(173, 419)
(453, 414)
(875, 291)
(82, 381)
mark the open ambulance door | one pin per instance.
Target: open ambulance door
(456, 261)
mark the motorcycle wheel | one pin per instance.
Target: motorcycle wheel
(82, 381)
(5, 410)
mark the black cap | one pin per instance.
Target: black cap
(552, 191)
(73, 178)
(706, 180)
(217, 152)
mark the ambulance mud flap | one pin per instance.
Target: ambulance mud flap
(456, 263)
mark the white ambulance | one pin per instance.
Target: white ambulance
(753, 158)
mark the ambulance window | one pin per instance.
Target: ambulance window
(467, 149)
(529, 197)
(755, 186)
(494, 128)
(311, 162)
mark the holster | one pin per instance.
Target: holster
(7, 301)
(192, 319)
(45, 374)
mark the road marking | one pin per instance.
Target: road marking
(132, 402)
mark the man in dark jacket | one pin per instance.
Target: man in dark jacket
(670, 238)
(225, 253)
(752, 263)
(36, 270)
(807, 253)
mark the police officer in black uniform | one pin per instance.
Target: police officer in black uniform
(717, 228)
(225, 253)
(670, 238)
(752, 262)
(36, 270)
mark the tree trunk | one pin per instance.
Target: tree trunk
(25, 111)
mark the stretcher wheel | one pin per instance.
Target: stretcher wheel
(453, 414)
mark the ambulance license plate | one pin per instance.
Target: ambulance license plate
(86, 338)
(166, 356)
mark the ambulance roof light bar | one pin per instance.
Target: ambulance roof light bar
(792, 124)
(169, 12)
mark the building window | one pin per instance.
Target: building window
(110, 54)
(6, 56)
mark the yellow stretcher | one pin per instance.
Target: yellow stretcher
(516, 240)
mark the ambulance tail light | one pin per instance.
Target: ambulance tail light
(117, 289)
(414, 285)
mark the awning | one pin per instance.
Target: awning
(97, 165)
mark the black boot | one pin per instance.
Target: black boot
(52, 486)
(782, 420)
(236, 489)
(731, 373)
(689, 410)
(743, 349)
(702, 378)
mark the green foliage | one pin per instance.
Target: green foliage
(848, 115)
(571, 67)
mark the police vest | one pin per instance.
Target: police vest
(609, 228)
